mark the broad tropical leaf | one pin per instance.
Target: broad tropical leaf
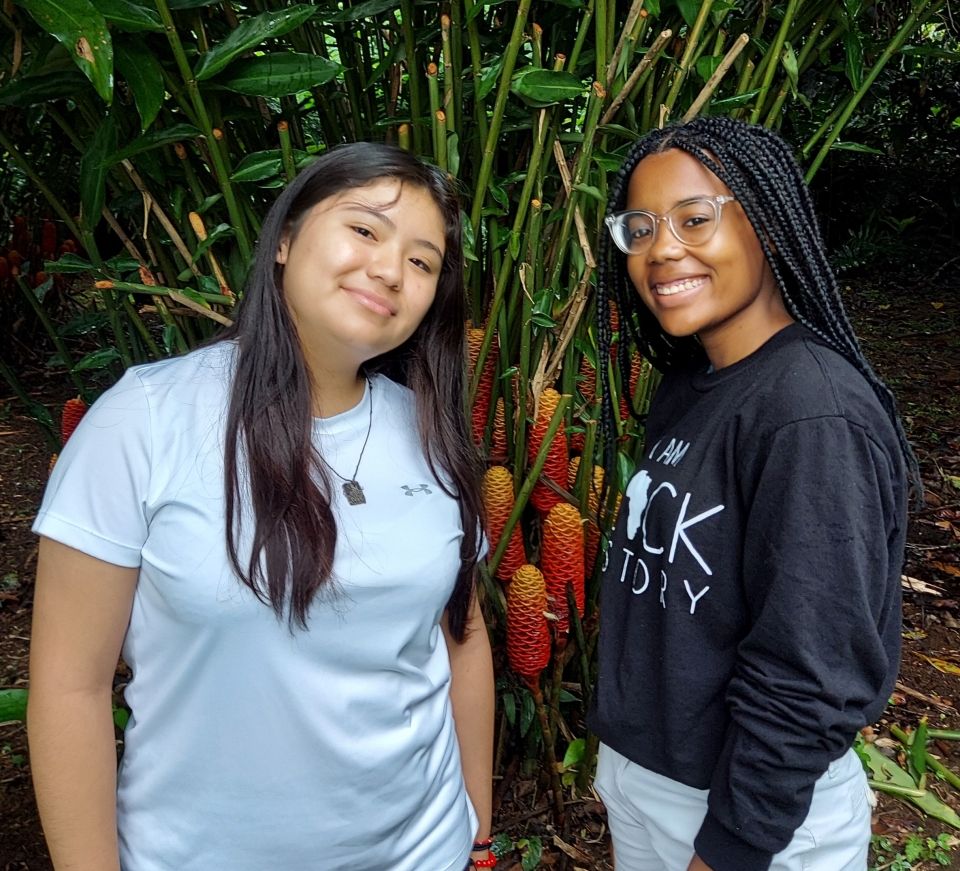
(129, 16)
(93, 172)
(144, 76)
(83, 32)
(540, 87)
(248, 35)
(279, 73)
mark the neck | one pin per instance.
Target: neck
(335, 391)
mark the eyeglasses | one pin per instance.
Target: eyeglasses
(692, 222)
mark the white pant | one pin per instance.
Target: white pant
(653, 819)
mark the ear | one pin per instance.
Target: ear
(283, 250)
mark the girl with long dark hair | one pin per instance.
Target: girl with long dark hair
(280, 531)
(750, 617)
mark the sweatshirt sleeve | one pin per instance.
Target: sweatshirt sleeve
(823, 528)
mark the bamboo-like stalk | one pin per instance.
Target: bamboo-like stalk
(286, 151)
(499, 108)
(773, 59)
(633, 16)
(738, 46)
(449, 106)
(650, 55)
(802, 60)
(551, 754)
(692, 40)
(413, 72)
(151, 290)
(220, 167)
(920, 12)
(932, 762)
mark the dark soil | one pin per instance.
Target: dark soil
(911, 333)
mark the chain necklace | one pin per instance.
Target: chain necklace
(351, 487)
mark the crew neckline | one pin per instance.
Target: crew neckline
(709, 378)
(358, 415)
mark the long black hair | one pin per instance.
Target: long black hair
(269, 420)
(759, 168)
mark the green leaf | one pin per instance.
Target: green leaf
(176, 133)
(190, 4)
(132, 17)
(789, 60)
(853, 52)
(279, 73)
(707, 66)
(82, 30)
(689, 9)
(68, 263)
(855, 146)
(30, 90)
(538, 87)
(97, 360)
(221, 231)
(370, 9)
(258, 166)
(121, 716)
(142, 72)
(528, 712)
(489, 77)
(721, 106)
(13, 705)
(591, 191)
(510, 708)
(93, 173)
(532, 854)
(249, 34)
(574, 755)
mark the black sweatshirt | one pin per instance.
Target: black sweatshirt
(750, 612)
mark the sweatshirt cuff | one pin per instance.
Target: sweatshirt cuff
(722, 850)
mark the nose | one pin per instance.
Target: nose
(665, 244)
(386, 265)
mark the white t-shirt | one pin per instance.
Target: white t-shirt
(251, 747)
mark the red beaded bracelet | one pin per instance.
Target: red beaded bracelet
(489, 862)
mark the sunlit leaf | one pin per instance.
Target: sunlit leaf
(83, 32)
(98, 360)
(68, 263)
(249, 34)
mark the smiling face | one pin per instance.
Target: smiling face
(360, 272)
(722, 291)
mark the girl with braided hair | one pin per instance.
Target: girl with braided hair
(751, 596)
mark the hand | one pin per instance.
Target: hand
(697, 864)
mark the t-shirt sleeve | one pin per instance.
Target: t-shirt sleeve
(822, 650)
(96, 498)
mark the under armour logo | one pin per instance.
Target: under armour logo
(423, 488)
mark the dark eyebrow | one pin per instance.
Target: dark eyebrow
(383, 219)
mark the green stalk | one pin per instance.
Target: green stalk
(476, 65)
(141, 328)
(151, 290)
(449, 74)
(413, 72)
(600, 40)
(533, 475)
(807, 146)
(774, 59)
(551, 753)
(920, 13)
(220, 167)
(433, 89)
(944, 734)
(582, 32)
(490, 147)
(805, 52)
(286, 151)
(688, 52)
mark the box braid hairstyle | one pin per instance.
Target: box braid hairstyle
(758, 167)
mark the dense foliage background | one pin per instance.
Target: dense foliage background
(142, 143)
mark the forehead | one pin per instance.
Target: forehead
(662, 180)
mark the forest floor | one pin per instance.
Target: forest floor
(911, 332)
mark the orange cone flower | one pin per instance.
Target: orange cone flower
(591, 532)
(73, 410)
(555, 467)
(528, 636)
(48, 240)
(561, 560)
(498, 503)
(481, 405)
(498, 447)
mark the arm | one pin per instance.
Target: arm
(823, 542)
(471, 694)
(81, 610)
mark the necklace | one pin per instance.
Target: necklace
(351, 487)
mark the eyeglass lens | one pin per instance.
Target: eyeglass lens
(693, 223)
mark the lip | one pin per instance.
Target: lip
(372, 301)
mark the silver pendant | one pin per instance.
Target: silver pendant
(354, 493)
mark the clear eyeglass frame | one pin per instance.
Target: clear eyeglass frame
(617, 222)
